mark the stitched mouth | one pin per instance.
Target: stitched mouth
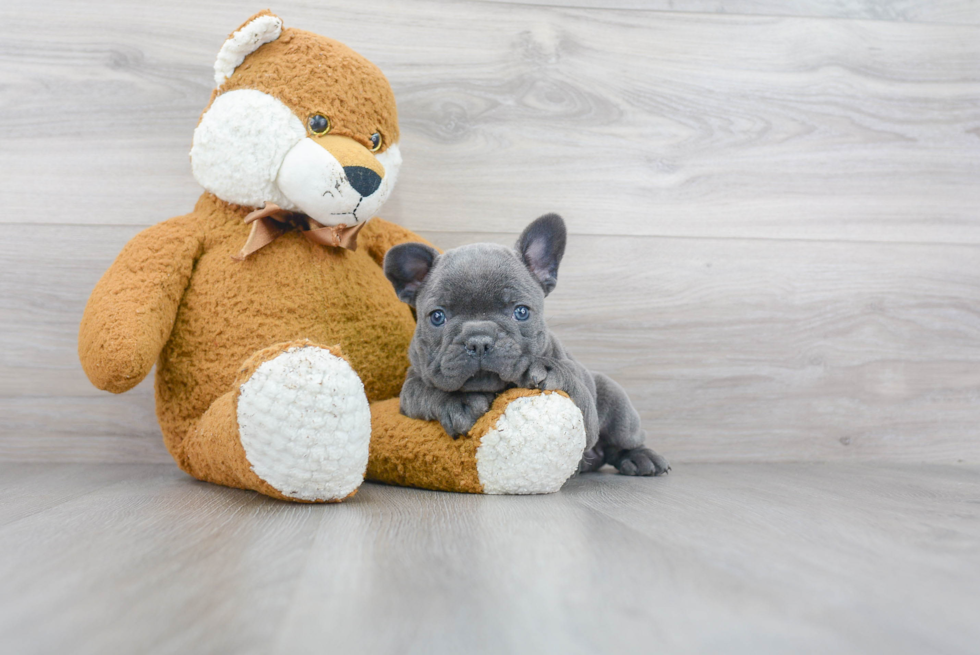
(352, 212)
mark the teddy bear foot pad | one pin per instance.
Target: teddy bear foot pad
(533, 448)
(305, 424)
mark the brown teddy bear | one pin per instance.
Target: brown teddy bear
(280, 346)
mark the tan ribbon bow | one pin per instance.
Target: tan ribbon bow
(271, 221)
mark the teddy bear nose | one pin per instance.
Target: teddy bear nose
(479, 345)
(364, 180)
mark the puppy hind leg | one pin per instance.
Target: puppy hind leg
(639, 461)
(593, 459)
(621, 439)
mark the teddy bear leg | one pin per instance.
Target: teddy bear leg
(296, 426)
(528, 443)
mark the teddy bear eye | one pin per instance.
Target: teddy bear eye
(437, 318)
(376, 141)
(522, 313)
(319, 124)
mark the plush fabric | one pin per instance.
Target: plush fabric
(503, 453)
(258, 30)
(266, 365)
(239, 146)
(312, 74)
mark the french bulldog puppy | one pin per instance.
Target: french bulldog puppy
(481, 330)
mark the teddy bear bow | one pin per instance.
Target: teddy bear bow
(271, 221)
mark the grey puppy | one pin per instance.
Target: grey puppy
(481, 330)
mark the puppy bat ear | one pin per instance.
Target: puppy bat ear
(406, 266)
(541, 247)
(258, 30)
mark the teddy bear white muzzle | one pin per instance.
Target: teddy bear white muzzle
(250, 149)
(313, 179)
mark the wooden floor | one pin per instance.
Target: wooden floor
(715, 558)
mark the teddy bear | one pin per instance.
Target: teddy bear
(280, 347)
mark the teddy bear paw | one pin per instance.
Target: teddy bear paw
(305, 424)
(533, 448)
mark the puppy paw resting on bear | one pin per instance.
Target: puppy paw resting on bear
(481, 331)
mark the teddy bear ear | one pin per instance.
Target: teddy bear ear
(258, 30)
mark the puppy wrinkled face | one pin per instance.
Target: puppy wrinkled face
(480, 307)
(481, 320)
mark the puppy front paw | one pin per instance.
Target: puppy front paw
(535, 376)
(460, 412)
(640, 461)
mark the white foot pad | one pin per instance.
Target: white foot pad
(535, 446)
(305, 424)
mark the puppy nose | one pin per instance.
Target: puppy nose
(364, 180)
(479, 345)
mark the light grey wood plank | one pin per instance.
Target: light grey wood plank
(737, 558)
(760, 351)
(46, 276)
(730, 349)
(956, 12)
(628, 122)
(531, 574)
(162, 564)
(884, 557)
(91, 429)
(28, 489)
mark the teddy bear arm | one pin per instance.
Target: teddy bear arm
(379, 236)
(129, 316)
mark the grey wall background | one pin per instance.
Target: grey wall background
(774, 206)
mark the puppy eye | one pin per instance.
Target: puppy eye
(319, 124)
(376, 142)
(437, 318)
(522, 313)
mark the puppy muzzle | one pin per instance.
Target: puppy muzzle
(479, 359)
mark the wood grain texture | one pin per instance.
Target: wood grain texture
(735, 558)
(955, 12)
(772, 350)
(775, 219)
(776, 248)
(120, 550)
(627, 122)
(48, 409)
(731, 349)
(28, 489)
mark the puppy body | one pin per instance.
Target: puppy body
(481, 330)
